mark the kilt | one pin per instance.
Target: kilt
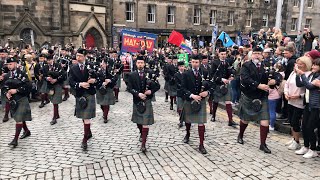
(125, 76)
(43, 87)
(56, 98)
(172, 90)
(23, 111)
(189, 117)
(166, 86)
(146, 118)
(3, 98)
(246, 113)
(118, 84)
(218, 97)
(90, 111)
(66, 83)
(180, 102)
(107, 99)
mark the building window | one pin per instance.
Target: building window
(296, 3)
(250, 1)
(196, 16)
(308, 23)
(213, 17)
(130, 12)
(151, 17)
(171, 12)
(230, 18)
(293, 24)
(265, 20)
(310, 3)
(249, 19)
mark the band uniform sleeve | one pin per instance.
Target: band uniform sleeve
(134, 92)
(72, 81)
(246, 79)
(184, 88)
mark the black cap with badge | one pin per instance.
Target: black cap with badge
(82, 51)
(11, 60)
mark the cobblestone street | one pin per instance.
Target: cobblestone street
(54, 152)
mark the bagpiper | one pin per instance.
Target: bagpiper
(3, 71)
(255, 82)
(16, 89)
(142, 86)
(40, 71)
(180, 96)
(196, 88)
(83, 81)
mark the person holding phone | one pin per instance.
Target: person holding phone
(308, 39)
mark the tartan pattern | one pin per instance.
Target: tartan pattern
(43, 87)
(198, 118)
(180, 102)
(146, 118)
(23, 111)
(57, 96)
(118, 84)
(166, 86)
(219, 97)
(107, 99)
(245, 112)
(172, 90)
(3, 97)
(90, 111)
(66, 82)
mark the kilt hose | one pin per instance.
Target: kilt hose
(23, 111)
(247, 114)
(107, 99)
(90, 111)
(190, 117)
(56, 98)
(145, 118)
(218, 97)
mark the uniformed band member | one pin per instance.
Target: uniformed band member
(17, 89)
(178, 79)
(195, 90)
(115, 62)
(171, 71)
(40, 71)
(255, 82)
(85, 91)
(64, 62)
(142, 88)
(167, 76)
(223, 75)
(205, 66)
(55, 77)
(3, 71)
(105, 95)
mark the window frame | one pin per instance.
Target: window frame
(294, 24)
(229, 19)
(150, 13)
(312, 3)
(308, 24)
(131, 11)
(197, 16)
(249, 18)
(265, 21)
(173, 9)
(213, 19)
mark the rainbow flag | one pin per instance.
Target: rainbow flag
(177, 39)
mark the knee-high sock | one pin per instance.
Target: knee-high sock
(42, 96)
(229, 111)
(18, 130)
(55, 110)
(263, 134)
(105, 111)
(171, 100)
(201, 130)
(116, 92)
(24, 125)
(66, 92)
(167, 95)
(46, 97)
(7, 109)
(188, 127)
(86, 132)
(140, 128)
(210, 106)
(144, 136)
(214, 109)
(243, 127)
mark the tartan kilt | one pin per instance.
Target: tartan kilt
(180, 102)
(3, 98)
(172, 90)
(218, 97)
(23, 111)
(90, 111)
(43, 87)
(66, 83)
(246, 113)
(56, 98)
(189, 117)
(166, 86)
(146, 118)
(118, 84)
(107, 99)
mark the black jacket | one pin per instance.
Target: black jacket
(103, 75)
(314, 96)
(290, 66)
(76, 77)
(178, 79)
(41, 70)
(56, 68)
(136, 86)
(23, 89)
(219, 71)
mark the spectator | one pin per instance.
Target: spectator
(313, 54)
(315, 43)
(299, 43)
(308, 39)
(286, 41)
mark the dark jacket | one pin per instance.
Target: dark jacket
(290, 66)
(219, 71)
(56, 68)
(178, 79)
(23, 89)
(41, 70)
(103, 75)
(76, 77)
(314, 96)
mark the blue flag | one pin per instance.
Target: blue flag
(226, 40)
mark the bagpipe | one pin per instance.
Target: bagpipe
(53, 73)
(13, 83)
(223, 88)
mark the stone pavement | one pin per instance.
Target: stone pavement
(53, 152)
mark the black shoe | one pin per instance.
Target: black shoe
(47, 102)
(171, 107)
(232, 123)
(117, 100)
(180, 125)
(89, 135)
(186, 139)
(143, 149)
(25, 134)
(41, 105)
(265, 149)
(54, 121)
(13, 143)
(213, 119)
(239, 140)
(84, 146)
(166, 100)
(65, 98)
(202, 150)
(5, 119)
(105, 120)
(140, 138)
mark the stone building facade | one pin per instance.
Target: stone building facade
(55, 22)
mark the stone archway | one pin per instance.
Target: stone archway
(93, 38)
